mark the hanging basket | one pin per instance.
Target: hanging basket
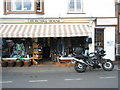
(4, 64)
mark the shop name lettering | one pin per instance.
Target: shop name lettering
(43, 21)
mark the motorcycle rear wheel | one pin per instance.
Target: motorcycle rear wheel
(80, 67)
(108, 65)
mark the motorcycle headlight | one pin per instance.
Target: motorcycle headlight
(95, 51)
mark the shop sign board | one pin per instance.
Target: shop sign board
(107, 21)
(45, 20)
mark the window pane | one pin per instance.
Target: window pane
(16, 5)
(71, 4)
(22, 5)
(26, 5)
(78, 4)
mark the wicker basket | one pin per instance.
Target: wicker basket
(19, 63)
(4, 64)
(27, 63)
(11, 63)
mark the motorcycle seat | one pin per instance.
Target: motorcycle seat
(80, 57)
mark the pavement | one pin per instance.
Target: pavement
(42, 68)
(38, 68)
(45, 68)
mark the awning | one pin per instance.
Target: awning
(43, 30)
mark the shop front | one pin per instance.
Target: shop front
(44, 40)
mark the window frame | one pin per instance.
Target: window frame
(75, 8)
(7, 6)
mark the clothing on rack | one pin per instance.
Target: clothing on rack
(10, 43)
(20, 47)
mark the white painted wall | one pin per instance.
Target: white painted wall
(102, 8)
(1, 9)
(109, 42)
(59, 8)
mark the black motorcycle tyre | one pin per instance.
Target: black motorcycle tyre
(106, 68)
(80, 70)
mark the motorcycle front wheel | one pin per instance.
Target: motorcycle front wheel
(79, 67)
(108, 65)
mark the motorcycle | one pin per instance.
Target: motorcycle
(93, 61)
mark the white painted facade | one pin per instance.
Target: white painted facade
(91, 8)
(59, 8)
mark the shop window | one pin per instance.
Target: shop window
(75, 6)
(99, 38)
(23, 6)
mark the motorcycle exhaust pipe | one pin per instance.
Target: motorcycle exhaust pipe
(80, 60)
